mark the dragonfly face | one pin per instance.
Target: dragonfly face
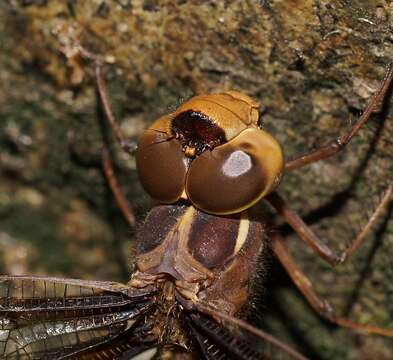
(210, 146)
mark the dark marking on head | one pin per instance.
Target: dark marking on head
(196, 130)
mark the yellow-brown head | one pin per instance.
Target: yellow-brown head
(211, 152)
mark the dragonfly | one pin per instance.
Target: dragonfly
(206, 164)
(153, 314)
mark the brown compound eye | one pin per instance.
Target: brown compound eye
(161, 166)
(236, 175)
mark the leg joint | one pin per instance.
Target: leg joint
(326, 310)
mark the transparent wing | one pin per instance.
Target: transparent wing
(51, 318)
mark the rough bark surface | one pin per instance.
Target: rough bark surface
(312, 64)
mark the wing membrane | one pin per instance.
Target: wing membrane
(218, 342)
(32, 289)
(51, 318)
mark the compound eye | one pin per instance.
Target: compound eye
(236, 175)
(161, 166)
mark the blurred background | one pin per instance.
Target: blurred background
(313, 65)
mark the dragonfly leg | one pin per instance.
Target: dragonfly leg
(340, 143)
(117, 191)
(312, 240)
(127, 146)
(320, 305)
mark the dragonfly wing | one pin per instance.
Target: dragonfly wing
(217, 342)
(51, 318)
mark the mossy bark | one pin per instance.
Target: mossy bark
(312, 64)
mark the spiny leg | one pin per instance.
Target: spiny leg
(311, 239)
(98, 61)
(340, 143)
(320, 305)
(126, 146)
(116, 189)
